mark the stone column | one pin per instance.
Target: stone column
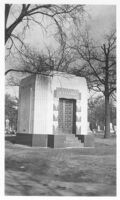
(55, 115)
(78, 117)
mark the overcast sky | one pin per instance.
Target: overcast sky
(101, 18)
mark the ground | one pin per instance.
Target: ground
(61, 172)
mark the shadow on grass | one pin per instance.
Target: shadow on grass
(26, 185)
(61, 172)
(27, 166)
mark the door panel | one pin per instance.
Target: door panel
(66, 115)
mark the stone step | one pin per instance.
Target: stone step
(71, 138)
(72, 141)
(75, 145)
(70, 135)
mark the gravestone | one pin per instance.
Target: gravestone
(7, 126)
(111, 128)
(7, 123)
(99, 128)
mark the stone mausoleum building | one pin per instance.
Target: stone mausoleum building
(53, 111)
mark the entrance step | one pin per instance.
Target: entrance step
(72, 141)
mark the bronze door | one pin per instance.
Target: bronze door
(66, 117)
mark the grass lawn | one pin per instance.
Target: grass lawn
(61, 172)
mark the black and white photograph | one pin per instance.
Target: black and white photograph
(60, 98)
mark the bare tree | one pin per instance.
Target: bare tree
(30, 60)
(11, 111)
(26, 13)
(96, 111)
(22, 17)
(99, 67)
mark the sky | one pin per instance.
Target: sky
(100, 19)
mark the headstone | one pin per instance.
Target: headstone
(7, 124)
(99, 128)
(111, 128)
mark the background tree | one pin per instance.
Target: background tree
(96, 112)
(31, 61)
(11, 111)
(20, 18)
(24, 14)
(98, 66)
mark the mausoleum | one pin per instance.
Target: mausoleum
(53, 111)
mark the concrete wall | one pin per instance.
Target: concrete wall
(38, 105)
(43, 110)
(26, 105)
(62, 80)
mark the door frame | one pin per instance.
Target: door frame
(74, 115)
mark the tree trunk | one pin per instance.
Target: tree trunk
(107, 117)
(7, 10)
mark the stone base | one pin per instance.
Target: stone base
(88, 140)
(52, 141)
(56, 141)
(11, 138)
(31, 139)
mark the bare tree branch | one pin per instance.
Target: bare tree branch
(48, 10)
